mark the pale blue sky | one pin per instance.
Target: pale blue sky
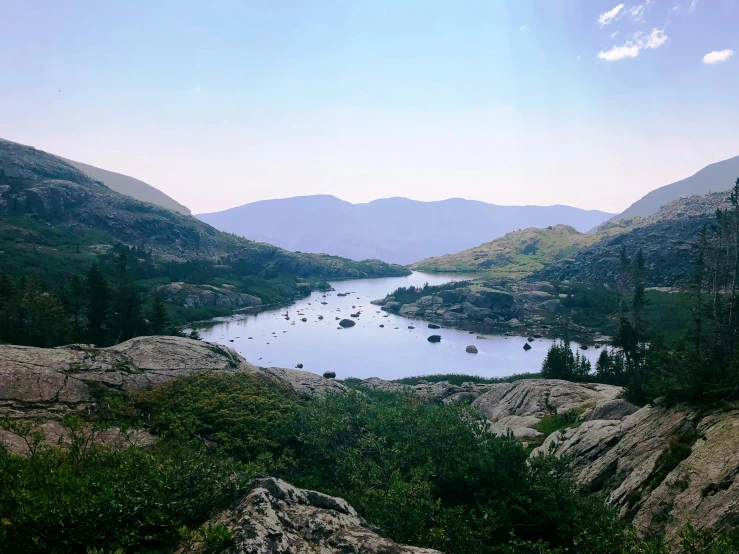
(514, 102)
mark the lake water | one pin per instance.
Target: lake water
(367, 350)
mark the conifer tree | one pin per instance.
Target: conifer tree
(98, 302)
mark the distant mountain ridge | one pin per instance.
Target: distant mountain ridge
(716, 177)
(395, 230)
(130, 186)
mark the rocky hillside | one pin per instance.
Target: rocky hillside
(53, 215)
(662, 467)
(515, 254)
(666, 238)
(719, 176)
(130, 187)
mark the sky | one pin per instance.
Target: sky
(583, 102)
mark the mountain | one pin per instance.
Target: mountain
(56, 217)
(130, 187)
(716, 177)
(667, 239)
(396, 230)
(514, 254)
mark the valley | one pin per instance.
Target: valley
(382, 344)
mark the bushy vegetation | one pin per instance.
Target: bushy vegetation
(461, 378)
(429, 475)
(135, 499)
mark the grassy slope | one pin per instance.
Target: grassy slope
(515, 254)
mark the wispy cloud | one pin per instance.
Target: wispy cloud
(637, 12)
(523, 27)
(717, 56)
(631, 48)
(693, 4)
(608, 17)
(613, 34)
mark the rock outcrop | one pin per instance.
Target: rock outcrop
(663, 468)
(437, 392)
(49, 382)
(520, 405)
(278, 518)
(304, 383)
(192, 296)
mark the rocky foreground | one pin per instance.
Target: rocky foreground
(276, 517)
(662, 466)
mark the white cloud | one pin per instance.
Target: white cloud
(628, 50)
(613, 34)
(607, 17)
(523, 27)
(693, 4)
(656, 38)
(717, 56)
(631, 48)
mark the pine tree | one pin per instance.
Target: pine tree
(128, 319)
(98, 302)
(159, 318)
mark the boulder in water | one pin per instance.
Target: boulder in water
(471, 349)
(527, 347)
(347, 323)
(434, 326)
(434, 338)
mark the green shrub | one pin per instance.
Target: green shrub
(242, 414)
(135, 499)
(433, 475)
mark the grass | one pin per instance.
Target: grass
(553, 422)
(515, 254)
(460, 378)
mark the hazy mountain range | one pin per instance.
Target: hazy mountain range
(396, 230)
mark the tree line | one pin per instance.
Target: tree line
(95, 307)
(703, 364)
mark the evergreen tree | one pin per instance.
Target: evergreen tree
(75, 296)
(127, 317)
(98, 303)
(159, 318)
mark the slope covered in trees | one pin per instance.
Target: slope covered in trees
(56, 223)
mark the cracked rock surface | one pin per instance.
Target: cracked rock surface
(278, 518)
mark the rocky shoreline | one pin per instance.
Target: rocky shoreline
(494, 306)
